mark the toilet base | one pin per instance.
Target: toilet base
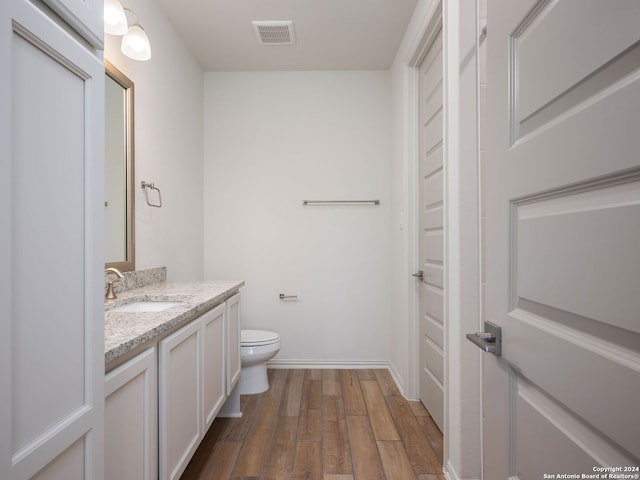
(253, 379)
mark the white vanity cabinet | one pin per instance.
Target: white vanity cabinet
(131, 419)
(191, 388)
(51, 217)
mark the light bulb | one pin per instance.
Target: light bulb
(135, 44)
(115, 20)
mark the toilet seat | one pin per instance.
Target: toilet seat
(256, 338)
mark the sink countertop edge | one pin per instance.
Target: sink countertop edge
(129, 333)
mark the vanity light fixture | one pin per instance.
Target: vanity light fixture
(115, 20)
(135, 42)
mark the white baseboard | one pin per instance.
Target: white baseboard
(397, 381)
(337, 364)
(451, 474)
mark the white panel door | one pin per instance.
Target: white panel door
(51, 250)
(563, 237)
(431, 223)
(84, 16)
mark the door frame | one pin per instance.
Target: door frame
(462, 272)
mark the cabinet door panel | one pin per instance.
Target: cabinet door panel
(179, 399)
(131, 442)
(213, 356)
(66, 465)
(233, 342)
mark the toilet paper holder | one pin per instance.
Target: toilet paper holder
(282, 296)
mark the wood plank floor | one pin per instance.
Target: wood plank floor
(323, 425)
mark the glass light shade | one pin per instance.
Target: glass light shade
(115, 20)
(135, 44)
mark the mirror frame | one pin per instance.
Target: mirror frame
(129, 263)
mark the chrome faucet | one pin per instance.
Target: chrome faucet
(110, 293)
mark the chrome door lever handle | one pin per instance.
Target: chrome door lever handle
(490, 340)
(419, 274)
(486, 336)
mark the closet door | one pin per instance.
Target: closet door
(51, 250)
(432, 233)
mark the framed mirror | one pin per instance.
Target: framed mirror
(119, 171)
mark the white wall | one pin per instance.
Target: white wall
(464, 433)
(168, 146)
(404, 236)
(273, 139)
(462, 407)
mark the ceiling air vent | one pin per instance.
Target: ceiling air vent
(275, 32)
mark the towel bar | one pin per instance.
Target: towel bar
(340, 202)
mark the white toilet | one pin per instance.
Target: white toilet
(257, 348)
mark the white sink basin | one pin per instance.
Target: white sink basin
(145, 306)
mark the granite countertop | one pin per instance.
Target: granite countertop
(128, 333)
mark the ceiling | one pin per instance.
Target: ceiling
(330, 34)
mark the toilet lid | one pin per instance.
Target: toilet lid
(258, 337)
